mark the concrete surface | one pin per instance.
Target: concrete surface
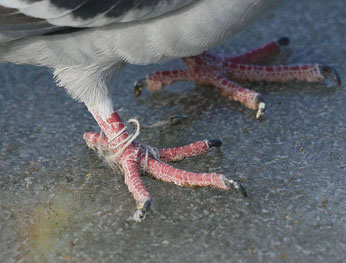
(60, 203)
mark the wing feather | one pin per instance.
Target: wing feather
(14, 25)
(91, 13)
(24, 18)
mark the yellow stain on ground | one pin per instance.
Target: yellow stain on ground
(42, 230)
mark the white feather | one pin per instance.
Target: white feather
(45, 10)
(83, 61)
(15, 3)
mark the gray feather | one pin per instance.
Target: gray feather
(14, 25)
(33, 17)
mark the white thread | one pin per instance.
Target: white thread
(154, 152)
(126, 142)
(118, 134)
(146, 160)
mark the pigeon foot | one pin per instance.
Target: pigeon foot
(223, 73)
(121, 150)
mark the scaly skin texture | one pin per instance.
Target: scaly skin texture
(135, 159)
(223, 72)
(120, 149)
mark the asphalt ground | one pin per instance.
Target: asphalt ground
(60, 203)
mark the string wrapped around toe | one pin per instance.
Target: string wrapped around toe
(122, 151)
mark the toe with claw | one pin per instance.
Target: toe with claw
(224, 72)
(214, 143)
(119, 147)
(141, 211)
(261, 106)
(330, 72)
(238, 187)
(139, 85)
(284, 41)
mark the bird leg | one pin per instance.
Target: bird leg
(157, 80)
(259, 54)
(119, 148)
(222, 72)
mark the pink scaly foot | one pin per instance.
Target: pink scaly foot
(211, 69)
(119, 148)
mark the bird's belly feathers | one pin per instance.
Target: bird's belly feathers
(180, 34)
(186, 33)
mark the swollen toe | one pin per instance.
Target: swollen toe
(141, 212)
(235, 185)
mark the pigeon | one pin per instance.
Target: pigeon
(84, 42)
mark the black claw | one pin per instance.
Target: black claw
(214, 143)
(260, 99)
(236, 185)
(146, 206)
(141, 213)
(284, 41)
(327, 70)
(138, 87)
(242, 190)
(137, 90)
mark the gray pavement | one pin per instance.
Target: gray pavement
(60, 203)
